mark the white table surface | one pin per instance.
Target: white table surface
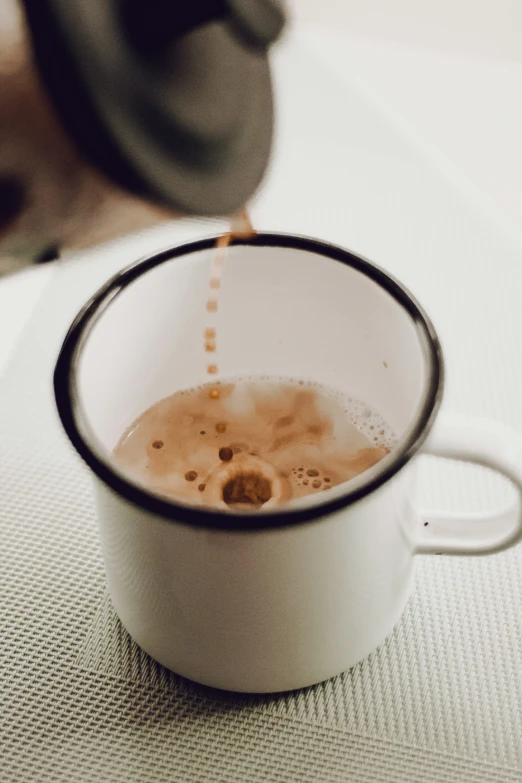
(463, 113)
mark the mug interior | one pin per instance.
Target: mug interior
(288, 307)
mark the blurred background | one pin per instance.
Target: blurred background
(476, 27)
(445, 78)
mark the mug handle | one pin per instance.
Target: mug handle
(481, 442)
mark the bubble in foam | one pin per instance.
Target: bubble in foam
(191, 475)
(221, 427)
(157, 444)
(316, 483)
(214, 394)
(237, 448)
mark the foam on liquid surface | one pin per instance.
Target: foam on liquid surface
(300, 437)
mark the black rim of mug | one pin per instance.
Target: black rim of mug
(69, 409)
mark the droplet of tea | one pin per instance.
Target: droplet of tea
(191, 475)
(210, 345)
(215, 283)
(221, 427)
(225, 454)
(209, 333)
(224, 240)
(212, 369)
(212, 306)
(157, 444)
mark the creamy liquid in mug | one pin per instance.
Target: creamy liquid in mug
(262, 438)
(247, 443)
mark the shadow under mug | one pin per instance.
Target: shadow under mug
(282, 599)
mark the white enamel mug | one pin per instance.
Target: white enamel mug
(275, 600)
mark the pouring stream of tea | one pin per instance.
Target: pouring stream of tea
(240, 227)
